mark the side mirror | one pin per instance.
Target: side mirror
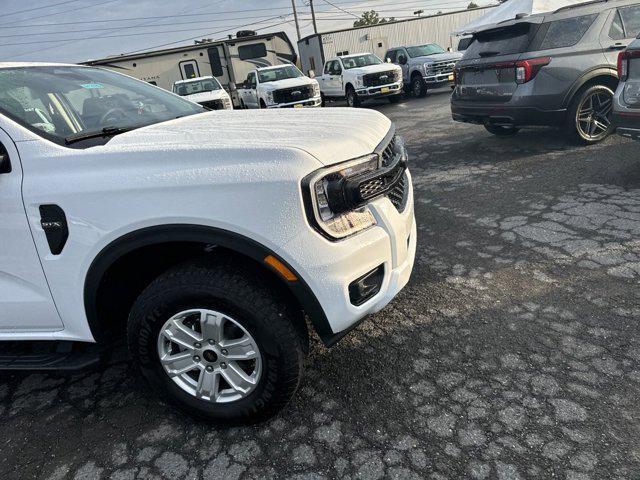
(402, 60)
(388, 60)
(232, 86)
(312, 74)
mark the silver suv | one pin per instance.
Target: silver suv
(626, 106)
(553, 69)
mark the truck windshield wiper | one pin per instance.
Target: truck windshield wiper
(105, 132)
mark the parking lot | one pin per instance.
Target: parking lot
(513, 353)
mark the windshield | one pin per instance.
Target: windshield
(424, 50)
(59, 102)
(196, 86)
(275, 74)
(360, 61)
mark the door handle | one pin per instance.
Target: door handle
(617, 46)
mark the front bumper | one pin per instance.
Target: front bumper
(334, 266)
(311, 102)
(497, 114)
(380, 91)
(440, 79)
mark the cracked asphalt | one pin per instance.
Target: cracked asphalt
(514, 352)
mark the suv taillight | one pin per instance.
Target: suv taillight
(526, 70)
(623, 63)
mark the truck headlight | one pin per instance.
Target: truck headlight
(316, 90)
(226, 103)
(426, 67)
(333, 211)
(360, 81)
(270, 98)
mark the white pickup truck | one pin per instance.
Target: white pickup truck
(360, 77)
(207, 240)
(279, 87)
(205, 91)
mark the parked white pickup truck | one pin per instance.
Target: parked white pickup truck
(279, 87)
(207, 240)
(360, 77)
(205, 91)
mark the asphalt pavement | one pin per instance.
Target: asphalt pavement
(514, 353)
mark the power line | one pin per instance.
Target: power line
(38, 8)
(339, 8)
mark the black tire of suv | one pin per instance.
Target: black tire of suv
(502, 131)
(262, 104)
(395, 98)
(572, 116)
(240, 293)
(323, 100)
(418, 86)
(352, 97)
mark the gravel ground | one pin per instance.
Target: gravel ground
(513, 353)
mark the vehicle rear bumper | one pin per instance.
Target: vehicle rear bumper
(627, 124)
(505, 115)
(376, 92)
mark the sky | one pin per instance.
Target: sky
(78, 30)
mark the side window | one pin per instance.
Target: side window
(631, 20)
(214, 60)
(255, 50)
(617, 28)
(337, 68)
(563, 33)
(312, 63)
(251, 80)
(5, 163)
(328, 67)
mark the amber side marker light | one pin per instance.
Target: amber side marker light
(281, 268)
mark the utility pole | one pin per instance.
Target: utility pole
(313, 15)
(295, 16)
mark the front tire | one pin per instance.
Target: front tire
(502, 131)
(352, 98)
(589, 120)
(418, 86)
(214, 341)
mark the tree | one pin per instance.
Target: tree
(472, 5)
(371, 18)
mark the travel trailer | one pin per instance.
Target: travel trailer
(230, 61)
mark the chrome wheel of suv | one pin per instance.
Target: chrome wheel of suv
(593, 114)
(209, 355)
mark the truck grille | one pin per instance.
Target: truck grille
(441, 68)
(381, 78)
(396, 178)
(212, 105)
(295, 94)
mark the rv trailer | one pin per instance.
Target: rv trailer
(230, 61)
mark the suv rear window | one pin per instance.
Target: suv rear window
(562, 33)
(504, 41)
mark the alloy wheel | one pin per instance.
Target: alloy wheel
(210, 355)
(593, 119)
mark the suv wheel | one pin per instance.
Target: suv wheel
(418, 86)
(214, 341)
(352, 98)
(501, 130)
(590, 115)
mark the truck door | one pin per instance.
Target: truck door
(402, 59)
(251, 91)
(26, 304)
(334, 79)
(622, 27)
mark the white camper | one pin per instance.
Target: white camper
(229, 61)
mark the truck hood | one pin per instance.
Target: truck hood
(383, 67)
(206, 96)
(331, 135)
(439, 57)
(287, 83)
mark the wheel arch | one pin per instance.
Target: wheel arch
(607, 75)
(148, 239)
